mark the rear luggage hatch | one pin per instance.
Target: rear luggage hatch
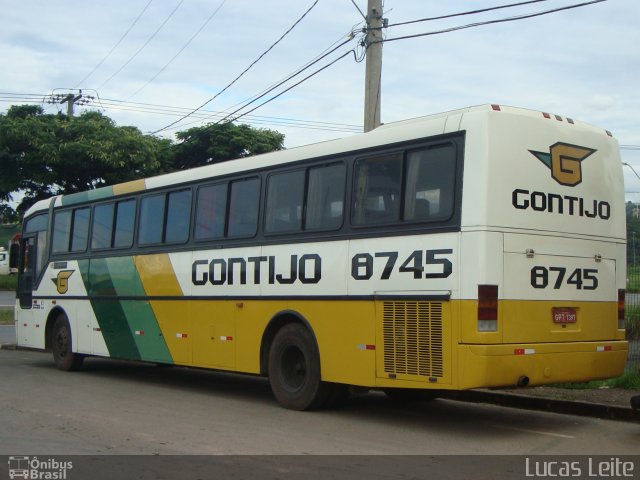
(541, 274)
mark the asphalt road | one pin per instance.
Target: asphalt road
(7, 298)
(127, 408)
(7, 334)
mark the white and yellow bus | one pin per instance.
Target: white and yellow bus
(476, 248)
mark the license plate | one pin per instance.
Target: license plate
(564, 315)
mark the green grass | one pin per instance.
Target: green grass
(629, 380)
(6, 316)
(8, 282)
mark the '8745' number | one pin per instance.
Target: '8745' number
(420, 263)
(580, 278)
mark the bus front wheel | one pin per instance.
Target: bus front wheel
(61, 344)
(294, 369)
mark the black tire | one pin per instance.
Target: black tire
(294, 369)
(409, 395)
(61, 345)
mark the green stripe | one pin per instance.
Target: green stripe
(140, 316)
(90, 195)
(110, 315)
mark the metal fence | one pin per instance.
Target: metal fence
(632, 317)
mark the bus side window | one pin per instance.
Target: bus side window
(210, 211)
(243, 208)
(430, 183)
(102, 226)
(80, 229)
(151, 220)
(377, 190)
(285, 193)
(61, 231)
(178, 217)
(124, 223)
(325, 197)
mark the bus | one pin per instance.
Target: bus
(481, 247)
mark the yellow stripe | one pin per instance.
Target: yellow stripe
(129, 187)
(159, 280)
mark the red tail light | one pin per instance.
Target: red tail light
(487, 308)
(621, 300)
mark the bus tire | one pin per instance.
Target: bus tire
(61, 345)
(294, 369)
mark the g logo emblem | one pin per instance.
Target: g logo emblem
(564, 160)
(62, 281)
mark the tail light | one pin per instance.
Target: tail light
(621, 299)
(487, 308)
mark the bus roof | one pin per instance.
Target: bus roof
(386, 134)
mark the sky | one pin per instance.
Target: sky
(147, 63)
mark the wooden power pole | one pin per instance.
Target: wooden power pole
(373, 71)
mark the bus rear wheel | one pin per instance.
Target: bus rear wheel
(294, 369)
(61, 344)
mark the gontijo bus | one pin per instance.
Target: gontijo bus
(475, 248)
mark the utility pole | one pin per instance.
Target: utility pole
(373, 71)
(71, 99)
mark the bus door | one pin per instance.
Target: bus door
(26, 270)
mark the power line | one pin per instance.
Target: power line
(358, 8)
(208, 114)
(243, 72)
(170, 110)
(491, 22)
(289, 88)
(153, 35)
(257, 97)
(291, 75)
(116, 45)
(471, 12)
(181, 50)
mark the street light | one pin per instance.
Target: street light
(632, 169)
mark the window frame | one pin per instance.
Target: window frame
(165, 196)
(403, 152)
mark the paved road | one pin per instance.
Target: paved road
(7, 334)
(125, 408)
(7, 298)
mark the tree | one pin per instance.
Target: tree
(45, 155)
(220, 142)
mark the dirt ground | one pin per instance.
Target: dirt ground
(605, 396)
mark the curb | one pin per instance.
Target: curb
(570, 407)
(8, 346)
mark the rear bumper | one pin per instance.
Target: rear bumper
(540, 363)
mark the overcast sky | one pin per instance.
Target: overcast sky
(172, 56)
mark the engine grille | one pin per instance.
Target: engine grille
(412, 333)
